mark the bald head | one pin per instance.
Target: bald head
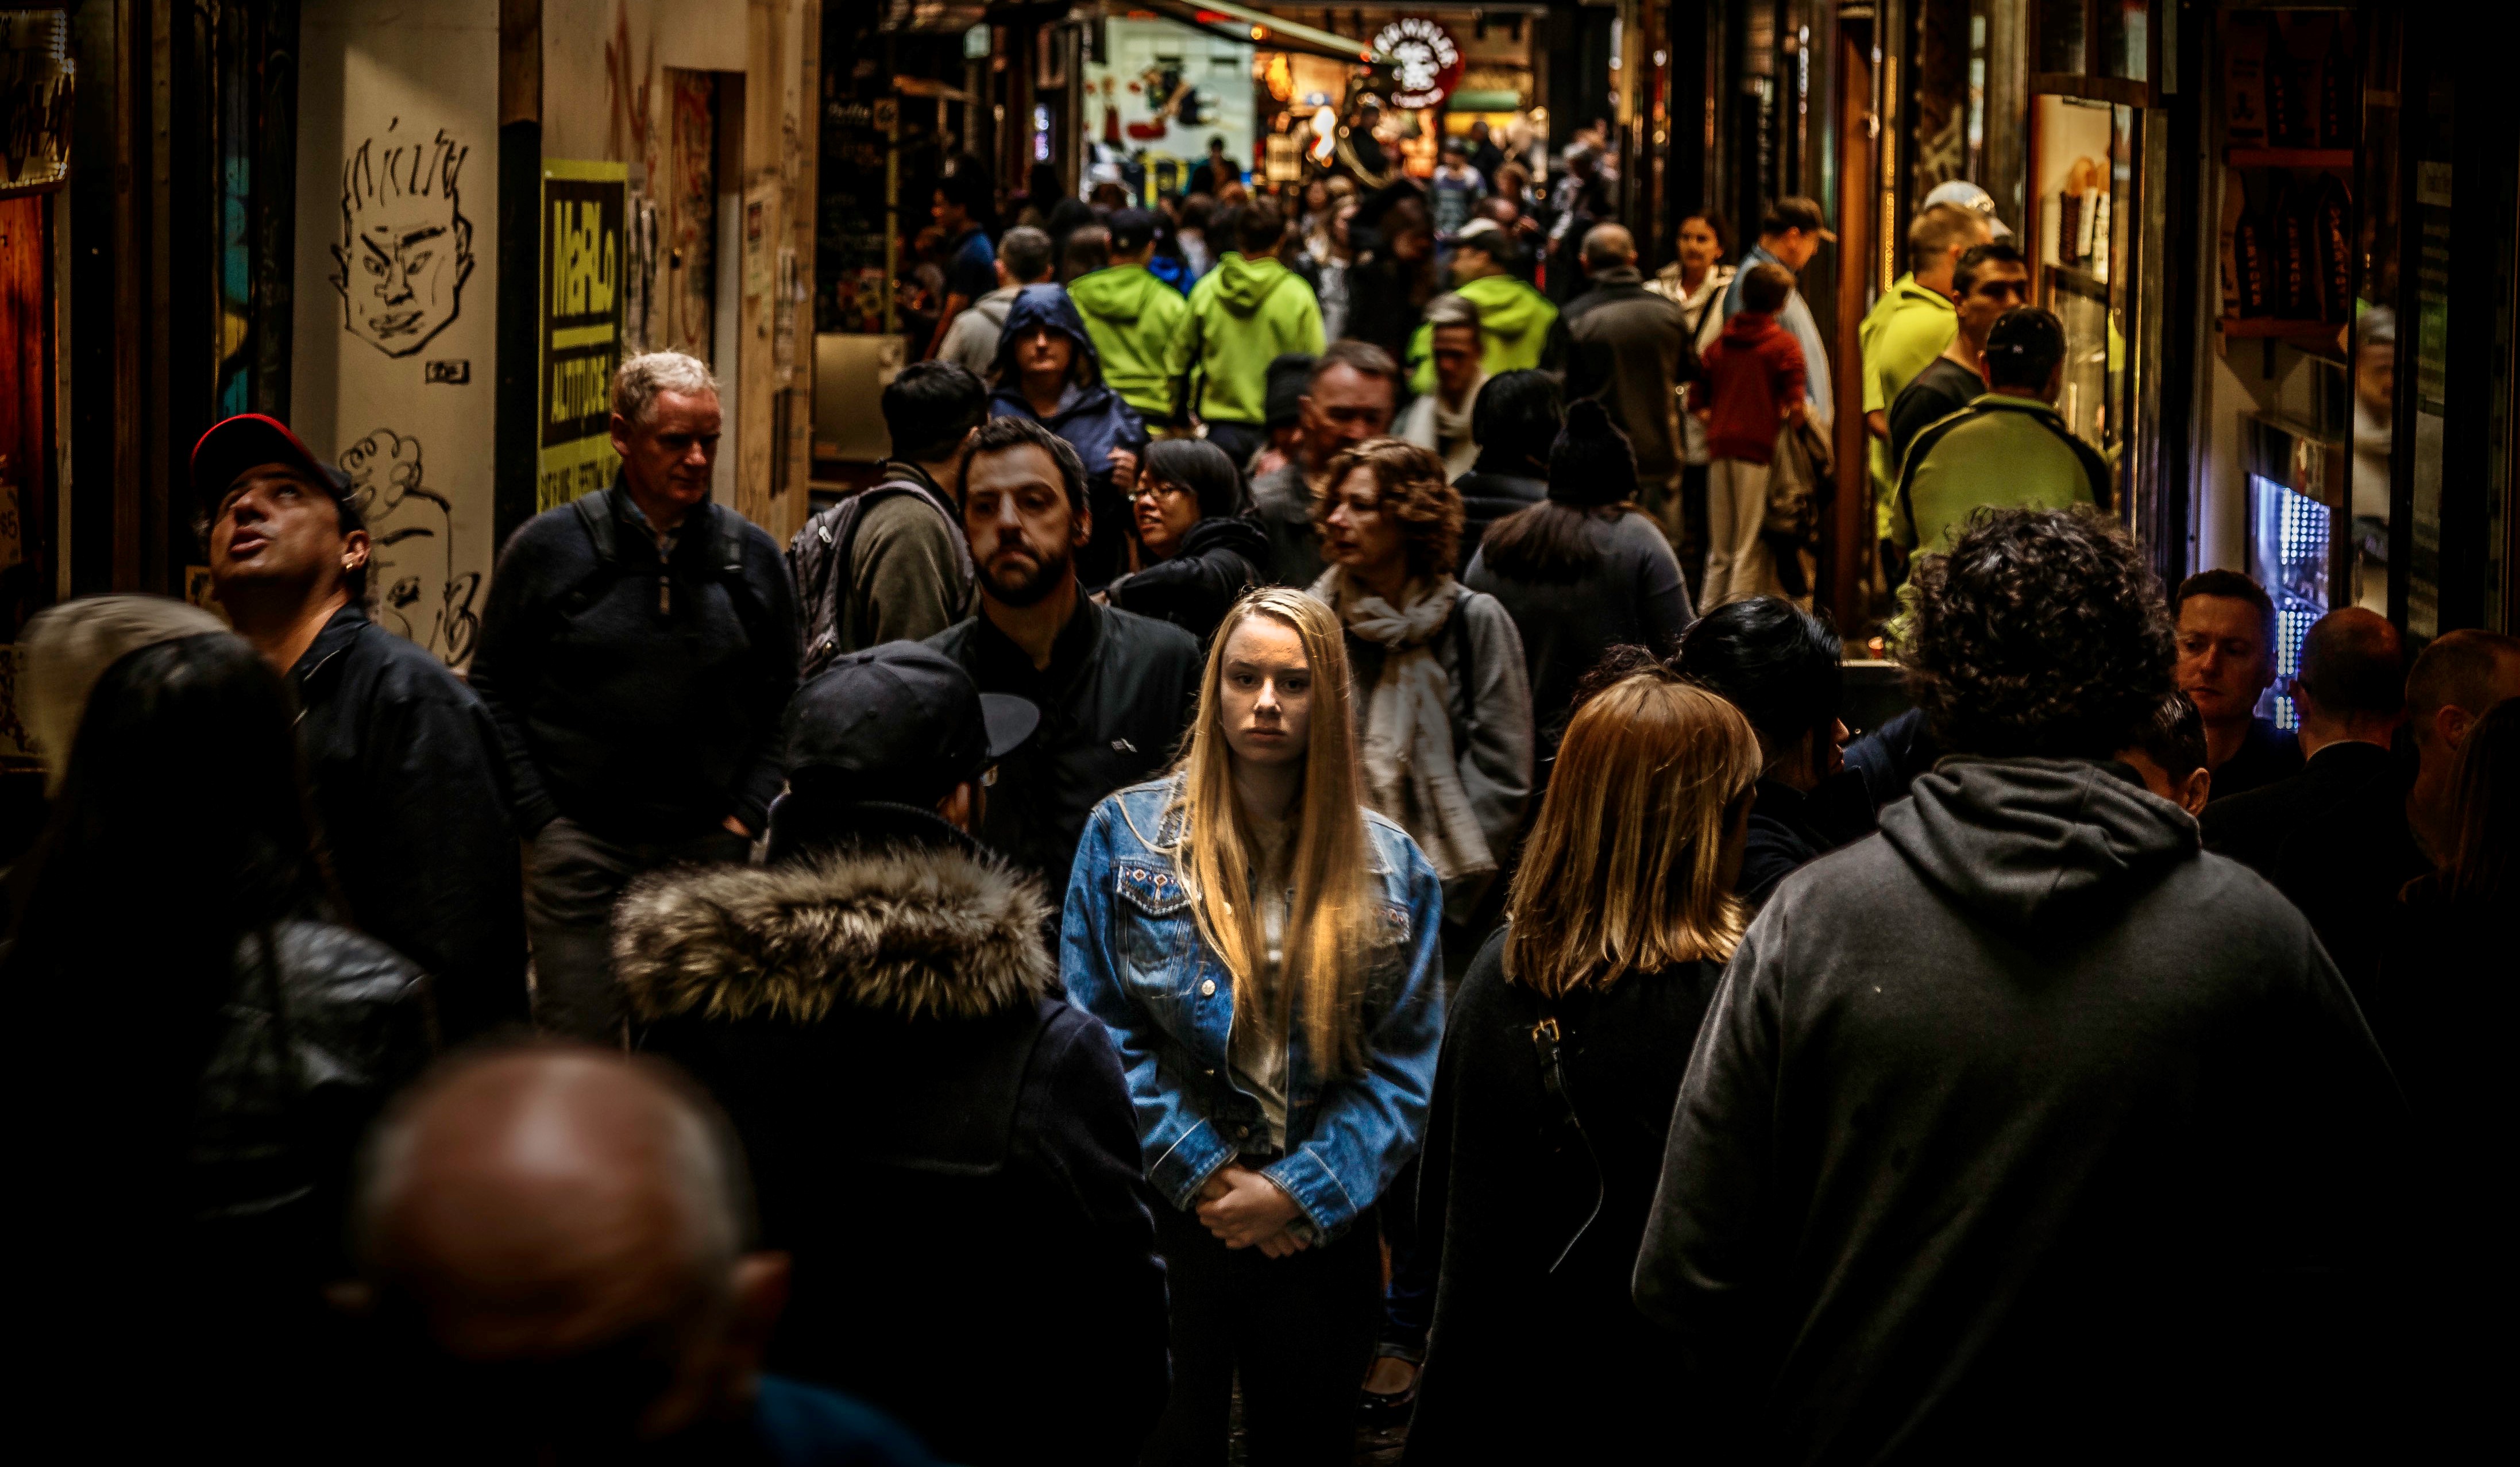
(554, 1234)
(2468, 669)
(569, 1186)
(2353, 681)
(1609, 247)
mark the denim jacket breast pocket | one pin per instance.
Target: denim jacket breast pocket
(1158, 944)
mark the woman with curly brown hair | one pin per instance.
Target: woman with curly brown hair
(2030, 1129)
(1440, 682)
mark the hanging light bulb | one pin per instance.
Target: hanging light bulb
(1325, 136)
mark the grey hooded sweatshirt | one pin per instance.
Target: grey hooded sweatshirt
(2026, 1129)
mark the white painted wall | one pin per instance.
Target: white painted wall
(394, 359)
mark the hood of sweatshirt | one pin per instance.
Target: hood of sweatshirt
(1746, 326)
(2034, 843)
(1119, 294)
(1047, 305)
(1243, 283)
(1508, 307)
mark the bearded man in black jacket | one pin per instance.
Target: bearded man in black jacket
(639, 647)
(401, 758)
(2026, 1128)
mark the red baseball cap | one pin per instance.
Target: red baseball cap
(250, 440)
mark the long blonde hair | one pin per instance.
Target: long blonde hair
(1624, 871)
(1332, 924)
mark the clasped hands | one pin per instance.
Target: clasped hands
(1245, 1209)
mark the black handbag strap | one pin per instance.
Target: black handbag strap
(1548, 1042)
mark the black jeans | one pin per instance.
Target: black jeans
(572, 878)
(1299, 1329)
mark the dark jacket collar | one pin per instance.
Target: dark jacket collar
(322, 656)
(1004, 665)
(912, 933)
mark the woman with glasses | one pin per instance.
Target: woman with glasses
(1263, 949)
(1196, 555)
(1561, 1063)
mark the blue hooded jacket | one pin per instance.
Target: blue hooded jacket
(1089, 415)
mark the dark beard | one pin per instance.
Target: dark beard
(1034, 589)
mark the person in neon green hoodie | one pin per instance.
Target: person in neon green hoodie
(1245, 314)
(1513, 317)
(1133, 317)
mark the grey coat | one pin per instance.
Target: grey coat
(1481, 655)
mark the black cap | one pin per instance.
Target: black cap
(1131, 229)
(900, 723)
(250, 440)
(1291, 377)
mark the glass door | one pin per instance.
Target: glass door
(2084, 177)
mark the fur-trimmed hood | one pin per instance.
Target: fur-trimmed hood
(933, 933)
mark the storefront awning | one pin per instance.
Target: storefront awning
(1262, 28)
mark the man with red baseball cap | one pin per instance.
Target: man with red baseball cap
(401, 758)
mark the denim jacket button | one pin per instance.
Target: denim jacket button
(1207, 990)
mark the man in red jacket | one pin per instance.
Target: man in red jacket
(1753, 385)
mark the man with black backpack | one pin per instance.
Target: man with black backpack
(888, 563)
(637, 653)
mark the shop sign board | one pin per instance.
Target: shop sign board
(1427, 61)
(35, 76)
(584, 205)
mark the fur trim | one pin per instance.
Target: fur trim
(917, 934)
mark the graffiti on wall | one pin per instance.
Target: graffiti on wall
(405, 248)
(418, 592)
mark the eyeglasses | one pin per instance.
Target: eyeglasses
(1148, 489)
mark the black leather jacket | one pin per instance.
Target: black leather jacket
(324, 1024)
(1219, 559)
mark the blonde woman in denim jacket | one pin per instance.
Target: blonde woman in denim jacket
(1263, 949)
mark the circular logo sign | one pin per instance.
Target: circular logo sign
(1427, 64)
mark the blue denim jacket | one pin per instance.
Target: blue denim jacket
(1132, 956)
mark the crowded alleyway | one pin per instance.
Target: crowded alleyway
(1736, 730)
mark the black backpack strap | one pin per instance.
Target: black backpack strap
(596, 517)
(824, 603)
(1466, 662)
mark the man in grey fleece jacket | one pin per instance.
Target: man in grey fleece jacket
(2025, 1127)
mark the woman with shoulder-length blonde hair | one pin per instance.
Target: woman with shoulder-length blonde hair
(1263, 949)
(1560, 1066)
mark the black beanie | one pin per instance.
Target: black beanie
(1592, 463)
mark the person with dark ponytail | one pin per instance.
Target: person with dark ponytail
(204, 1047)
(1584, 570)
(1514, 421)
(1779, 666)
(1198, 554)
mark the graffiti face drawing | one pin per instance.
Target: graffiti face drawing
(411, 570)
(406, 248)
